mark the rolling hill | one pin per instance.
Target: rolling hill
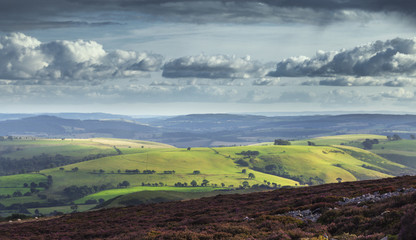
(55, 127)
(205, 130)
(120, 167)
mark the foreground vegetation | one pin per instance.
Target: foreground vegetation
(265, 215)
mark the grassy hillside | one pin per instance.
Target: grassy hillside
(174, 169)
(25, 155)
(399, 151)
(326, 163)
(213, 167)
(76, 148)
(172, 194)
(402, 151)
(351, 139)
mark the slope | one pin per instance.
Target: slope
(322, 163)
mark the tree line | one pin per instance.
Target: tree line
(9, 166)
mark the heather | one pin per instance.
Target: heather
(245, 216)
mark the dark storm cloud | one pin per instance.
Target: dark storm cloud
(25, 58)
(381, 58)
(213, 67)
(28, 14)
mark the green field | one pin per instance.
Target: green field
(76, 148)
(213, 167)
(321, 161)
(291, 165)
(108, 194)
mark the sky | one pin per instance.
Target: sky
(160, 57)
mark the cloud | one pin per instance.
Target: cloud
(400, 94)
(163, 83)
(392, 57)
(350, 81)
(297, 96)
(266, 82)
(342, 97)
(401, 82)
(213, 67)
(24, 58)
(26, 14)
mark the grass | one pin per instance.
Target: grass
(146, 196)
(17, 181)
(217, 165)
(213, 167)
(21, 200)
(76, 148)
(311, 161)
(352, 139)
(63, 209)
(108, 194)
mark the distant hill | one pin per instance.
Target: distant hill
(203, 130)
(79, 116)
(231, 129)
(51, 126)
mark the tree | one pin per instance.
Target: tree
(311, 143)
(189, 149)
(251, 176)
(244, 171)
(204, 183)
(17, 194)
(50, 180)
(396, 137)
(124, 184)
(196, 172)
(242, 163)
(194, 183)
(368, 144)
(339, 180)
(281, 142)
(61, 168)
(270, 167)
(74, 208)
(246, 184)
(75, 169)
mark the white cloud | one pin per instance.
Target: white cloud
(214, 67)
(266, 82)
(401, 82)
(23, 57)
(392, 57)
(400, 94)
(347, 81)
